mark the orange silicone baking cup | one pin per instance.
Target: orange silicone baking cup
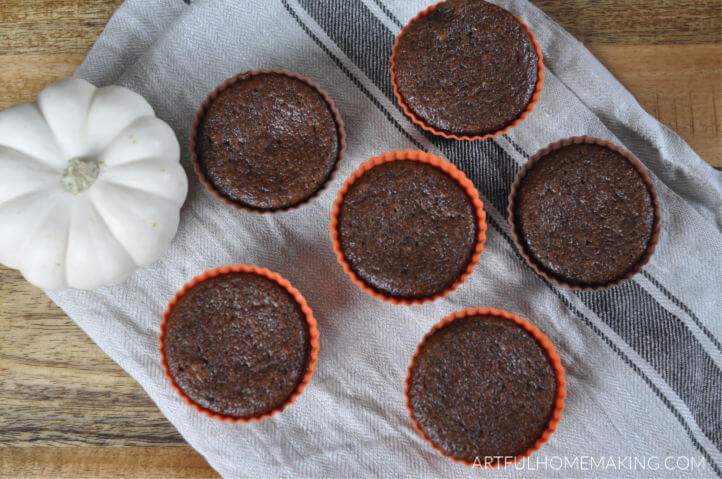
(516, 234)
(421, 157)
(200, 114)
(416, 119)
(543, 341)
(277, 278)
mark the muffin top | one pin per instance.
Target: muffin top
(407, 229)
(268, 141)
(466, 68)
(237, 345)
(584, 214)
(481, 386)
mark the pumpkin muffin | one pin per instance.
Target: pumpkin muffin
(483, 388)
(407, 229)
(585, 214)
(238, 345)
(267, 140)
(466, 69)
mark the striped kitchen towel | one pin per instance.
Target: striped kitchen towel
(643, 360)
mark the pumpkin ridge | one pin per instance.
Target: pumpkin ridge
(24, 196)
(122, 131)
(155, 194)
(38, 227)
(54, 136)
(38, 161)
(133, 162)
(110, 231)
(94, 110)
(167, 213)
(41, 190)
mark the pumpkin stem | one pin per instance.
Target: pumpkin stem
(80, 174)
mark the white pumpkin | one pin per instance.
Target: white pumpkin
(90, 185)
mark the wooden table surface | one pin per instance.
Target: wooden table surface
(66, 408)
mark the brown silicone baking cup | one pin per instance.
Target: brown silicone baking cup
(415, 118)
(275, 277)
(422, 157)
(200, 114)
(543, 341)
(516, 234)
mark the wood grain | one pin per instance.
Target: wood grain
(53, 26)
(680, 85)
(66, 408)
(92, 462)
(637, 21)
(59, 389)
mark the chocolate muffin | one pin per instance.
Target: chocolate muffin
(237, 345)
(407, 229)
(268, 141)
(584, 214)
(481, 386)
(466, 68)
